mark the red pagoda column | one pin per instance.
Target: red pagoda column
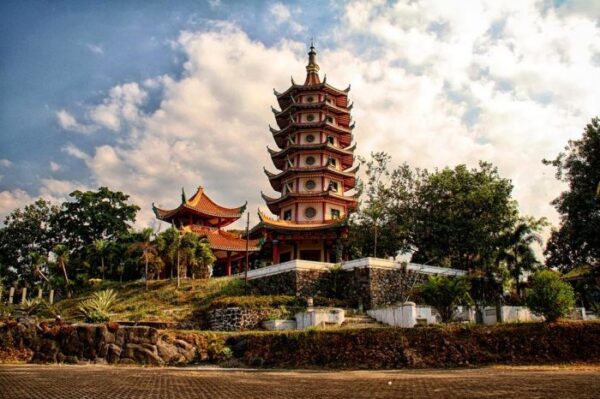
(228, 263)
(275, 252)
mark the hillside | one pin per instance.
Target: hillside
(161, 302)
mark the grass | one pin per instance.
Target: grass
(161, 302)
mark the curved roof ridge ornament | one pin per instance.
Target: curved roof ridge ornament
(183, 198)
(347, 89)
(324, 78)
(276, 92)
(292, 79)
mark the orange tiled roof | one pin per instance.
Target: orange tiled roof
(201, 204)
(224, 240)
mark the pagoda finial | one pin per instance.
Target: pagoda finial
(312, 69)
(182, 195)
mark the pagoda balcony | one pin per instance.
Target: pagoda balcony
(275, 204)
(321, 86)
(347, 176)
(293, 148)
(293, 126)
(306, 106)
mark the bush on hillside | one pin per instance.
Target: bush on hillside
(97, 308)
(446, 294)
(549, 296)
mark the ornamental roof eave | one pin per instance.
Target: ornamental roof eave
(314, 105)
(277, 224)
(291, 127)
(220, 240)
(201, 205)
(321, 86)
(349, 151)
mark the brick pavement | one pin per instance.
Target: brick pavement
(91, 381)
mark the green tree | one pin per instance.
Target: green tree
(168, 243)
(549, 295)
(95, 215)
(26, 231)
(460, 216)
(577, 240)
(62, 254)
(517, 248)
(38, 264)
(445, 294)
(101, 247)
(147, 249)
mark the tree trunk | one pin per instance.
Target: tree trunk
(146, 257)
(178, 279)
(67, 284)
(102, 264)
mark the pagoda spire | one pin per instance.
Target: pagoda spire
(312, 69)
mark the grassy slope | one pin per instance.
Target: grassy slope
(162, 302)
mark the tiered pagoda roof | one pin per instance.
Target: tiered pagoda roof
(220, 240)
(199, 209)
(313, 122)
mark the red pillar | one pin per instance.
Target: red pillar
(228, 263)
(275, 251)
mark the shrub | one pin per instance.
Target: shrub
(31, 307)
(97, 308)
(446, 294)
(257, 302)
(550, 296)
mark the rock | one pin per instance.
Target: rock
(113, 353)
(143, 355)
(140, 335)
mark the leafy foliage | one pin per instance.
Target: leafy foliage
(577, 241)
(550, 296)
(97, 308)
(445, 294)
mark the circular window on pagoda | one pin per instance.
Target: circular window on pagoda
(310, 99)
(310, 212)
(310, 138)
(310, 160)
(310, 185)
(310, 117)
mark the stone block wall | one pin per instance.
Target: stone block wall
(370, 287)
(236, 319)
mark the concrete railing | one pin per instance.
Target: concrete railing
(371, 263)
(291, 265)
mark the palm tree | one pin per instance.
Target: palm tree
(62, 260)
(518, 252)
(147, 247)
(37, 262)
(100, 246)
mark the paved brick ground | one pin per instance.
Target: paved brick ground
(80, 382)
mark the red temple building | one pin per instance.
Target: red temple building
(201, 215)
(314, 158)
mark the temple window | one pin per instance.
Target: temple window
(310, 160)
(287, 215)
(335, 213)
(330, 140)
(310, 99)
(332, 161)
(310, 117)
(310, 212)
(333, 186)
(310, 185)
(329, 119)
(310, 138)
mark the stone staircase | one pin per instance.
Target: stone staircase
(360, 321)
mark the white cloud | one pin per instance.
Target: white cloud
(439, 84)
(96, 48)
(68, 122)
(5, 163)
(10, 200)
(54, 167)
(280, 14)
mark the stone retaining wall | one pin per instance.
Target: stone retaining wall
(102, 343)
(370, 287)
(237, 319)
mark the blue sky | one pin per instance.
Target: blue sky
(150, 96)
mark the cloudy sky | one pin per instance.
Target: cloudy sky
(149, 96)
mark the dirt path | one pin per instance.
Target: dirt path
(80, 382)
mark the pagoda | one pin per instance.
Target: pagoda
(201, 215)
(314, 159)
